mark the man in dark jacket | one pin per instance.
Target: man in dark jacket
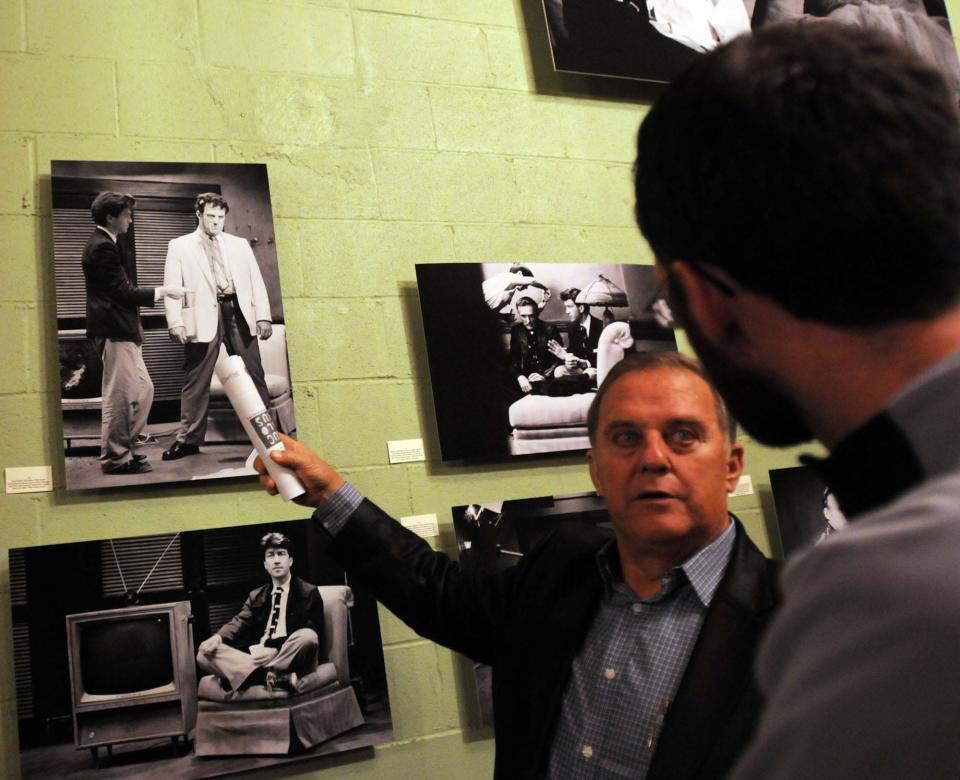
(274, 638)
(531, 359)
(626, 654)
(113, 322)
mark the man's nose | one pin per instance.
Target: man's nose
(654, 453)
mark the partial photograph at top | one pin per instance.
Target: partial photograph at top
(653, 40)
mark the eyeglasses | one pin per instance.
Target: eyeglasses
(659, 307)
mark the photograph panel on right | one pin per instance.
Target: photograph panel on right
(516, 352)
(654, 40)
(807, 510)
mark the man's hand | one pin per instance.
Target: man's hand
(524, 384)
(557, 349)
(173, 291)
(535, 377)
(208, 646)
(179, 334)
(264, 329)
(317, 476)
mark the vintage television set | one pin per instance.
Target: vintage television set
(132, 674)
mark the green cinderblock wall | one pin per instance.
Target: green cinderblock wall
(395, 132)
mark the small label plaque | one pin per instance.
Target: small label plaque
(29, 479)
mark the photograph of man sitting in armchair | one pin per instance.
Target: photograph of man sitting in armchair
(193, 654)
(516, 351)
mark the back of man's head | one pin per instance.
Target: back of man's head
(816, 164)
(110, 203)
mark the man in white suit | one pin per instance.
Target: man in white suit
(231, 307)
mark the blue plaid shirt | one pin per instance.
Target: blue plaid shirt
(632, 660)
(627, 672)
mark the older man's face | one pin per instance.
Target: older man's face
(662, 462)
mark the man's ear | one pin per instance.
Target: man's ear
(711, 309)
(734, 466)
(591, 462)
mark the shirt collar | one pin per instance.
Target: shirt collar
(113, 236)
(703, 570)
(913, 439)
(285, 587)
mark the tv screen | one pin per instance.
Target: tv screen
(125, 656)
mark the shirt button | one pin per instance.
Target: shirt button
(587, 752)
(637, 607)
(609, 674)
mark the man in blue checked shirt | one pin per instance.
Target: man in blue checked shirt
(623, 655)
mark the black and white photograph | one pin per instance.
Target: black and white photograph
(192, 654)
(516, 352)
(162, 271)
(495, 536)
(807, 510)
(653, 40)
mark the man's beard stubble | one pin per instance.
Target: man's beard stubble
(766, 413)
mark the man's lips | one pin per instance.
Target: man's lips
(653, 495)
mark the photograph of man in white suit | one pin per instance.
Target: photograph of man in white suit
(230, 307)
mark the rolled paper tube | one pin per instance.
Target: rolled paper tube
(257, 422)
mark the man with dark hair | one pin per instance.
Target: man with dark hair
(275, 637)
(113, 323)
(583, 332)
(801, 192)
(231, 307)
(531, 360)
(624, 654)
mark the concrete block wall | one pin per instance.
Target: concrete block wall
(395, 132)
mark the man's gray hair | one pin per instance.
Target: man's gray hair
(647, 361)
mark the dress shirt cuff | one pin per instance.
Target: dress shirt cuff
(157, 297)
(333, 513)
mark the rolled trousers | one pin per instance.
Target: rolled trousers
(127, 392)
(199, 360)
(297, 654)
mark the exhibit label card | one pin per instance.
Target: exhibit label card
(744, 487)
(406, 450)
(29, 479)
(422, 525)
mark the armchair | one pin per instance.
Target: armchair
(259, 721)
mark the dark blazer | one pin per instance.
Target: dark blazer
(530, 621)
(529, 353)
(304, 610)
(112, 292)
(586, 349)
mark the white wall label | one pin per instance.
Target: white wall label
(29, 479)
(744, 486)
(422, 525)
(406, 450)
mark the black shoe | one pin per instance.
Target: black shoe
(180, 450)
(286, 682)
(130, 467)
(139, 456)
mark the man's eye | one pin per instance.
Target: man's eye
(625, 438)
(684, 436)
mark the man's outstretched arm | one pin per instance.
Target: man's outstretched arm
(424, 588)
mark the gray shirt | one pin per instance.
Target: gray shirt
(860, 668)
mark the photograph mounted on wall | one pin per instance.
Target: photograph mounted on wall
(162, 271)
(654, 40)
(192, 654)
(495, 536)
(516, 352)
(807, 510)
